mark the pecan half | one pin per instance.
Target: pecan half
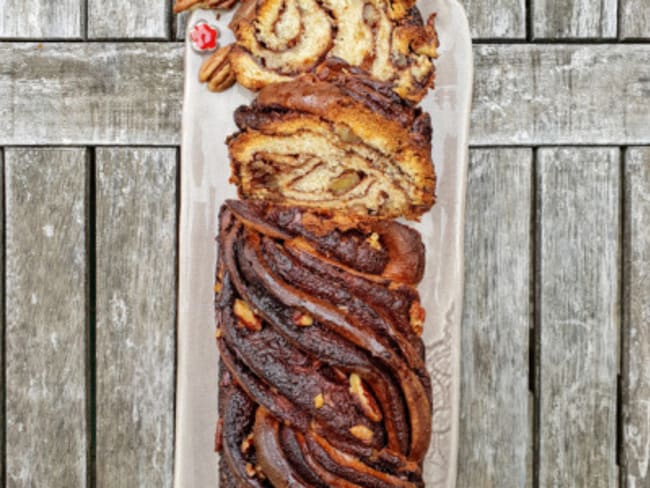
(216, 70)
(373, 241)
(246, 444)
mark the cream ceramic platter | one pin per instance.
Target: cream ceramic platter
(207, 120)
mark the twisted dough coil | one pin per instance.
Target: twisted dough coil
(335, 141)
(323, 379)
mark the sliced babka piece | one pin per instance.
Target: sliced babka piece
(278, 40)
(338, 142)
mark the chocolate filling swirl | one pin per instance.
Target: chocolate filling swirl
(335, 139)
(278, 40)
(323, 377)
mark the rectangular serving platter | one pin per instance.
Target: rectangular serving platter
(205, 170)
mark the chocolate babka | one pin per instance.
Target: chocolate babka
(323, 382)
(335, 140)
(277, 40)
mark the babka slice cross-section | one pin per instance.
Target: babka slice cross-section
(278, 40)
(323, 376)
(335, 141)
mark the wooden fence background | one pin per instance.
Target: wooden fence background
(556, 330)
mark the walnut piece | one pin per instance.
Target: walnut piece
(364, 399)
(319, 401)
(250, 470)
(302, 319)
(417, 315)
(344, 182)
(246, 316)
(246, 444)
(362, 433)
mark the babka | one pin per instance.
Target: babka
(323, 376)
(335, 141)
(278, 40)
(323, 380)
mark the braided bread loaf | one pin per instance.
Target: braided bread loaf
(331, 140)
(323, 380)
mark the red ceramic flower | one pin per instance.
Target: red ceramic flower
(204, 37)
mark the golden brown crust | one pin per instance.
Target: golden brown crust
(348, 146)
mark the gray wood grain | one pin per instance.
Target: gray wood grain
(46, 317)
(130, 93)
(98, 93)
(561, 94)
(502, 19)
(635, 19)
(578, 204)
(635, 455)
(180, 23)
(136, 310)
(574, 19)
(495, 408)
(47, 19)
(124, 19)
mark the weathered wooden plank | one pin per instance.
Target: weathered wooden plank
(561, 94)
(47, 19)
(130, 93)
(636, 326)
(635, 19)
(98, 93)
(124, 19)
(46, 317)
(181, 27)
(502, 19)
(496, 415)
(574, 19)
(578, 202)
(136, 303)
